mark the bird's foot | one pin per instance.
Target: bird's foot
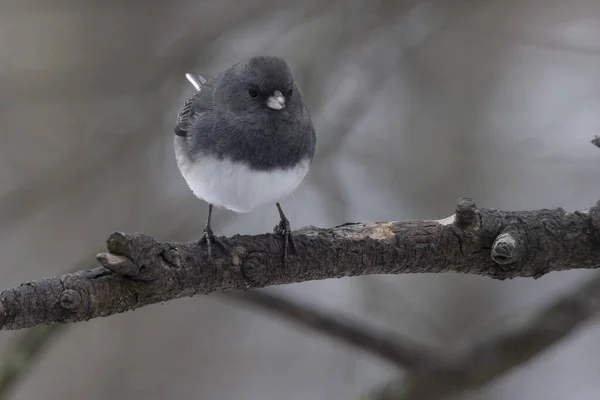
(209, 237)
(284, 229)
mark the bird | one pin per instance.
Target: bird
(245, 139)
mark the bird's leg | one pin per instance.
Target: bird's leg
(208, 236)
(284, 229)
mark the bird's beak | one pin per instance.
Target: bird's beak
(277, 101)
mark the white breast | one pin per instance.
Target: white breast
(235, 186)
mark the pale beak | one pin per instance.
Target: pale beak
(277, 101)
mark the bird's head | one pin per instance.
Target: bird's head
(261, 84)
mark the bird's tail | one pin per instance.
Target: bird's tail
(196, 80)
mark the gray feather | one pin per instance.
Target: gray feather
(194, 107)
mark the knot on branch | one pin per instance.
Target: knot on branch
(76, 296)
(71, 299)
(508, 247)
(255, 267)
(135, 256)
(118, 264)
(468, 220)
(466, 213)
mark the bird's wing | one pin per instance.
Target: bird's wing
(193, 108)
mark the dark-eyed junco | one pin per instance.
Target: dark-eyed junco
(245, 139)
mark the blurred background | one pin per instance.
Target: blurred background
(415, 103)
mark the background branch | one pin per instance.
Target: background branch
(400, 351)
(22, 353)
(492, 357)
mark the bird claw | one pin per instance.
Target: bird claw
(284, 229)
(208, 236)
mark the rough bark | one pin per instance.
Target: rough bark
(138, 270)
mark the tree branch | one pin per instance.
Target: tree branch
(138, 270)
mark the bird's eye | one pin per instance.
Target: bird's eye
(252, 93)
(291, 92)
